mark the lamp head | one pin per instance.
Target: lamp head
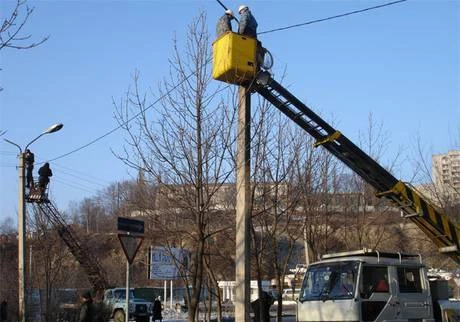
(54, 128)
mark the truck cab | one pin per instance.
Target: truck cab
(367, 285)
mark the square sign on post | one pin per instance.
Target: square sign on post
(132, 236)
(166, 262)
(129, 225)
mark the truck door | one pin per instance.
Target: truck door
(414, 296)
(377, 301)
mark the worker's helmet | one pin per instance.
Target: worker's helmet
(229, 12)
(242, 7)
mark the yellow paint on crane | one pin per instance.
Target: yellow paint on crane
(330, 138)
(433, 222)
(234, 58)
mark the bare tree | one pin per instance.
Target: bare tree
(317, 178)
(7, 226)
(50, 257)
(11, 29)
(274, 198)
(181, 144)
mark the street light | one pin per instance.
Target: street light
(22, 222)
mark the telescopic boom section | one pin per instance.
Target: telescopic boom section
(96, 274)
(430, 220)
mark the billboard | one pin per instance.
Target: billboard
(164, 262)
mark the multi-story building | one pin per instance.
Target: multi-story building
(446, 174)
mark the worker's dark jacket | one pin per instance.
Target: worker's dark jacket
(4, 311)
(157, 310)
(44, 173)
(29, 159)
(87, 312)
(224, 25)
(248, 24)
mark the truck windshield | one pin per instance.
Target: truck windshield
(121, 294)
(329, 281)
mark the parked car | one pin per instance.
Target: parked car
(115, 302)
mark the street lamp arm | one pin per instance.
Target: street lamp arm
(11, 142)
(51, 129)
(34, 140)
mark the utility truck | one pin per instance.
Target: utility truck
(368, 285)
(237, 60)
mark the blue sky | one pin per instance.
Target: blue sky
(401, 63)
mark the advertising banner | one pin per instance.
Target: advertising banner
(166, 262)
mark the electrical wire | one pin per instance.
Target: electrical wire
(332, 17)
(193, 73)
(127, 121)
(81, 175)
(77, 186)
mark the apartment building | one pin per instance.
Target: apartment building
(446, 173)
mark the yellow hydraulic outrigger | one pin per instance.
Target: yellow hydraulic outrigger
(234, 62)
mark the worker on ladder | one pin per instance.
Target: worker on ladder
(44, 177)
(29, 160)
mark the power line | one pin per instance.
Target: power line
(77, 186)
(127, 121)
(82, 175)
(333, 17)
(133, 117)
(191, 74)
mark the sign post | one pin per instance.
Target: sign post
(131, 235)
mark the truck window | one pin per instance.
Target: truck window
(329, 281)
(409, 280)
(375, 280)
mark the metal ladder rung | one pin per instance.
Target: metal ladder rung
(415, 214)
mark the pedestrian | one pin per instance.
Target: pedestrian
(157, 308)
(29, 160)
(4, 311)
(224, 24)
(248, 24)
(44, 176)
(87, 311)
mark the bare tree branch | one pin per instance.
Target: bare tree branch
(12, 26)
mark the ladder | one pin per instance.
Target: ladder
(96, 274)
(416, 208)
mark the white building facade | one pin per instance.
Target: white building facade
(446, 174)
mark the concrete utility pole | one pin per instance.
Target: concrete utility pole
(22, 224)
(22, 240)
(242, 278)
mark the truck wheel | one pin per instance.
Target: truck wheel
(142, 319)
(119, 316)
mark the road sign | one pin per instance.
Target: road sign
(131, 225)
(130, 245)
(165, 262)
